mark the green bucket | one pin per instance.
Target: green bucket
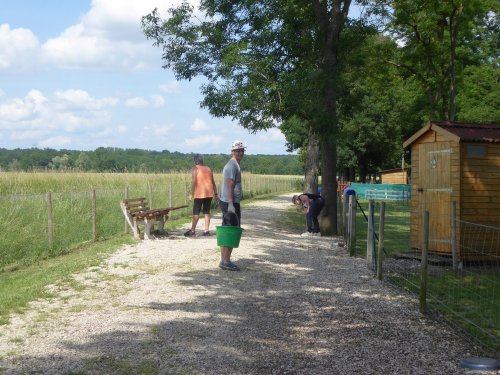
(228, 236)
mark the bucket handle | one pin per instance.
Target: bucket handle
(237, 218)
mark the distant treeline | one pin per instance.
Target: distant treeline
(110, 159)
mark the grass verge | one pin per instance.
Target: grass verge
(21, 286)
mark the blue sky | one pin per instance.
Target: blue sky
(79, 74)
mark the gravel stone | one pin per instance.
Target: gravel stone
(298, 306)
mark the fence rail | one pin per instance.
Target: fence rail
(392, 195)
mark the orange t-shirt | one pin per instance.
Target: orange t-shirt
(203, 185)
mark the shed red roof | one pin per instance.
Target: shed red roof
(471, 131)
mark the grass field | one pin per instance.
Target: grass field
(28, 264)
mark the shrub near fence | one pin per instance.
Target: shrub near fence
(76, 217)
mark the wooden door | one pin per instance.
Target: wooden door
(435, 192)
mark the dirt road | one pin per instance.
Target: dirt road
(298, 306)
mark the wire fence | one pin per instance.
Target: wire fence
(463, 289)
(42, 225)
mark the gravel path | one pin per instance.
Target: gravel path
(299, 306)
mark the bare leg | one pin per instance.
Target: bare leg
(225, 253)
(195, 222)
(207, 222)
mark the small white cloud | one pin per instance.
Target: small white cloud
(55, 142)
(28, 134)
(121, 129)
(162, 131)
(170, 87)
(199, 125)
(196, 142)
(17, 109)
(82, 99)
(136, 102)
(273, 134)
(157, 101)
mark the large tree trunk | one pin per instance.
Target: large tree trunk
(329, 192)
(311, 165)
(331, 16)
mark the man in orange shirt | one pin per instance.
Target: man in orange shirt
(203, 190)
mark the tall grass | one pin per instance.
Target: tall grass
(24, 204)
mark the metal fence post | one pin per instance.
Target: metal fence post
(381, 224)
(423, 268)
(454, 255)
(345, 215)
(370, 240)
(352, 225)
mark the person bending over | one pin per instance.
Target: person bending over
(311, 204)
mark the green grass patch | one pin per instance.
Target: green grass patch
(396, 228)
(19, 287)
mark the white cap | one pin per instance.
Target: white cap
(237, 145)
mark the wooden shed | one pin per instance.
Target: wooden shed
(456, 164)
(394, 176)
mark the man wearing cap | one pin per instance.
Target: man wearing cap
(230, 200)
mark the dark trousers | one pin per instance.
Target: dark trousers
(315, 208)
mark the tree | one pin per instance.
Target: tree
(437, 38)
(83, 162)
(264, 63)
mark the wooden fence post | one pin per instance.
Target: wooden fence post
(50, 225)
(380, 253)
(150, 188)
(94, 216)
(423, 267)
(125, 220)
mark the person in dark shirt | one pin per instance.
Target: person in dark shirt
(311, 204)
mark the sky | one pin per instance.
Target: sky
(79, 74)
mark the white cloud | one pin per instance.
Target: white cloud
(109, 36)
(17, 109)
(162, 131)
(55, 142)
(170, 87)
(197, 142)
(157, 101)
(199, 125)
(81, 99)
(26, 134)
(65, 112)
(272, 135)
(18, 48)
(136, 102)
